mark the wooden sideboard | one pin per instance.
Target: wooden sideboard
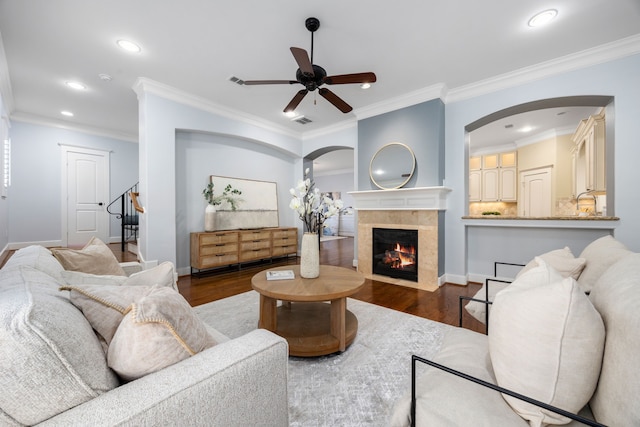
(216, 249)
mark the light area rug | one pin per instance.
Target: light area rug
(358, 387)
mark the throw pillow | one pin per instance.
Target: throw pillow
(562, 260)
(94, 258)
(546, 342)
(104, 306)
(50, 358)
(162, 275)
(600, 255)
(158, 330)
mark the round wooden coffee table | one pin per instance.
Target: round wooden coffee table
(311, 326)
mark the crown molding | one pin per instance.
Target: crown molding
(145, 85)
(585, 58)
(5, 83)
(328, 130)
(45, 121)
(412, 98)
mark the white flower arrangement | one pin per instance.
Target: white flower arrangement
(312, 208)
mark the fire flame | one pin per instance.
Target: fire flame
(400, 257)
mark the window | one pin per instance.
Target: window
(6, 166)
(5, 163)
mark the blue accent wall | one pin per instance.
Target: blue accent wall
(421, 127)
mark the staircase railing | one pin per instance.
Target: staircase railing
(128, 215)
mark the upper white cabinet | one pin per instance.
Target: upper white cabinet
(589, 161)
(497, 181)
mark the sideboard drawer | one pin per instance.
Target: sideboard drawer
(286, 233)
(284, 250)
(221, 248)
(217, 238)
(255, 244)
(255, 235)
(218, 260)
(253, 254)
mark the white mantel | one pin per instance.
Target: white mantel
(419, 198)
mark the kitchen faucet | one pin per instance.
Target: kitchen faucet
(595, 200)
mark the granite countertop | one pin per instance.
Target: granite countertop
(546, 218)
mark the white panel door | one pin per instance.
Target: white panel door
(536, 193)
(87, 191)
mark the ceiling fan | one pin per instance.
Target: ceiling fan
(313, 76)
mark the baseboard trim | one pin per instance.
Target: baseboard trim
(46, 243)
(456, 279)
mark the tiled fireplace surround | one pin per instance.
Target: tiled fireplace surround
(407, 209)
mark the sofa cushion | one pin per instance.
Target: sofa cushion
(159, 329)
(94, 258)
(162, 275)
(616, 295)
(50, 358)
(546, 342)
(443, 399)
(37, 257)
(600, 255)
(562, 260)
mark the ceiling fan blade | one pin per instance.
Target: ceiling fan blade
(269, 82)
(350, 78)
(302, 58)
(335, 100)
(296, 100)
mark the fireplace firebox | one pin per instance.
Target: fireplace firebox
(395, 253)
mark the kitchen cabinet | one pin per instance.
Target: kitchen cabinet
(496, 181)
(589, 157)
(508, 185)
(475, 185)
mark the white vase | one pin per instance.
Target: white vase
(210, 218)
(310, 256)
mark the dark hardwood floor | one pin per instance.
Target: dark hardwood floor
(441, 305)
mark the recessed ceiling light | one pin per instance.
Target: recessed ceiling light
(525, 129)
(365, 85)
(290, 113)
(543, 18)
(66, 113)
(129, 46)
(76, 85)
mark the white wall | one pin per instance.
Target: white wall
(4, 220)
(161, 115)
(199, 155)
(34, 199)
(619, 78)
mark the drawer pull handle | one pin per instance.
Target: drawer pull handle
(220, 244)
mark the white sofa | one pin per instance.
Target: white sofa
(595, 362)
(53, 369)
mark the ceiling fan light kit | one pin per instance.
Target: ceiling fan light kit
(313, 76)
